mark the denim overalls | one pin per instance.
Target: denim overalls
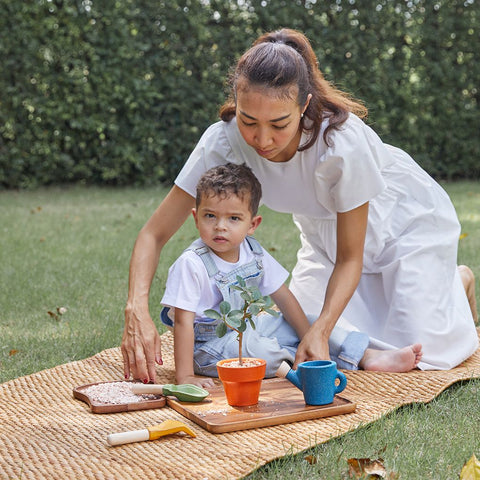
(273, 339)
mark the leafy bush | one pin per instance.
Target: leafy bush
(119, 92)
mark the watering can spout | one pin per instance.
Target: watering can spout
(285, 371)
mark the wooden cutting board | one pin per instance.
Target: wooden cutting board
(280, 402)
(82, 393)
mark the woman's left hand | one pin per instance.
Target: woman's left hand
(314, 346)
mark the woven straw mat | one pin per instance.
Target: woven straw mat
(47, 434)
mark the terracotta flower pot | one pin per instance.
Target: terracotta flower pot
(242, 383)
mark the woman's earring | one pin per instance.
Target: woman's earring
(301, 116)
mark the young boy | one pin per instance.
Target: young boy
(226, 216)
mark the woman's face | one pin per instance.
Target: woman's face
(269, 124)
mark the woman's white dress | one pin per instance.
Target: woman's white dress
(410, 290)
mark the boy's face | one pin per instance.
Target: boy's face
(224, 222)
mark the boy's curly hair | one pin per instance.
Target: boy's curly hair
(230, 179)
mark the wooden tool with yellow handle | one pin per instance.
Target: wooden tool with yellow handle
(150, 433)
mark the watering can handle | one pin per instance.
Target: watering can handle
(343, 382)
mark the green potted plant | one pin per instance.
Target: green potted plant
(241, 377)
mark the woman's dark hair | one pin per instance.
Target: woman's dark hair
(284, 59)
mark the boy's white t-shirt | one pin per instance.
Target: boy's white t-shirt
(190, 288)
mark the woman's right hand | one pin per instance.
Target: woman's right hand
(141, 346)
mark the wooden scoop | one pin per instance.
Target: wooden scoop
(150, 433)
(185, 392)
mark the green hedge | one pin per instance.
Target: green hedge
(118, 92)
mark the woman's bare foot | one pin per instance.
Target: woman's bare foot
(399, 361)
(468, 280)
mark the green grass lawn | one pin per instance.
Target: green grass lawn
(71, 248)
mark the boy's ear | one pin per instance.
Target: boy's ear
(256, 221)
(194, 213)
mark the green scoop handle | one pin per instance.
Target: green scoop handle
(184, 393)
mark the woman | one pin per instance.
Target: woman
(379, 236)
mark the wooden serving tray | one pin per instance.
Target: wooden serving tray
(81, 393)
(280, 402)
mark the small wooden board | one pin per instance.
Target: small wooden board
(81, 393)
(280, 402)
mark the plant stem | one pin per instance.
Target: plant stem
(240, 341)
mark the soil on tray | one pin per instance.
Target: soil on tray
(116, 393)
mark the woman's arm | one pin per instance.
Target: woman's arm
(141, 346)
(291, 310)
(351, 230)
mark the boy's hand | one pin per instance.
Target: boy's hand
(204, 382)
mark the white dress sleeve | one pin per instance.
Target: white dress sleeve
(212, 149)
(350, 173)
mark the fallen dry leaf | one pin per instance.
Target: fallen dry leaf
(311, 459)
(366, 468)
(471, 470)
(59, 312)
(463, 235)
(12, 352)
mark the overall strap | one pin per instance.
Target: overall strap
(255, 247)
(204, 253)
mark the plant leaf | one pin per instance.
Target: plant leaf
(245, 296)
(225, 308)
(471, 470)
(241, 281)
(254, 309)
(221, 330)
(268, 301)
(234, 319)
(212, 314)
(243, 326)
(252, 323)
(274, 313)
(256, 295)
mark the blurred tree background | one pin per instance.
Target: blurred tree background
(118, 92)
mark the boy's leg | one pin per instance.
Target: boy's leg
(277, 327)
(209, 349)
(347, 348)
(273, 339)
